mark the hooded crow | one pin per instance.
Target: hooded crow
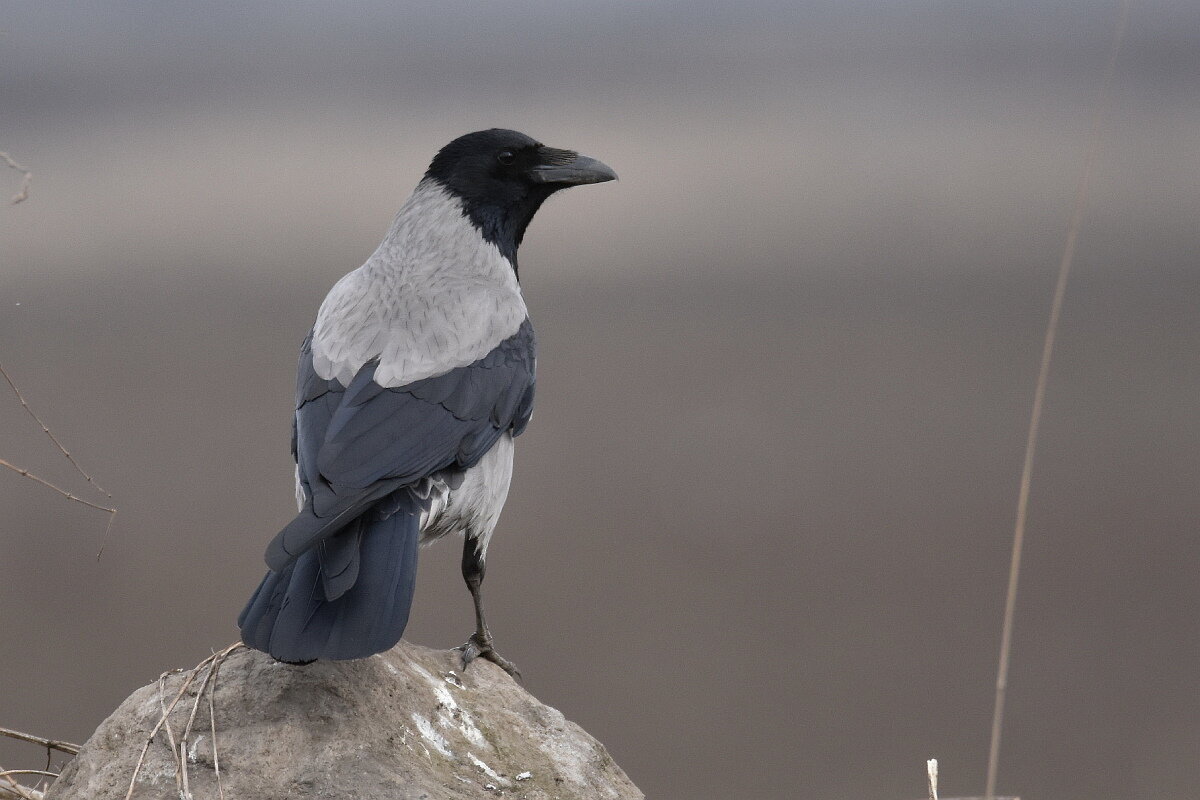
(412, 384)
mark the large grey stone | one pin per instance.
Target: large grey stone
(403, 725)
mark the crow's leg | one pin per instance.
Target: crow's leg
(480, 643)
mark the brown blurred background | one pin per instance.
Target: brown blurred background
(759, 532)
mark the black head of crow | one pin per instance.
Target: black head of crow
(412, 384)
(503, 177)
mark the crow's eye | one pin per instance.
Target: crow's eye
(505, 156)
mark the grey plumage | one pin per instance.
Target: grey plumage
(354, 443)
(454, 292)
(415, 378)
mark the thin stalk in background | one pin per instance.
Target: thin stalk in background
(1039, 395)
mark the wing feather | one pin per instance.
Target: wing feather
(355, 444)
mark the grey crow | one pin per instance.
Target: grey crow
(412, 384)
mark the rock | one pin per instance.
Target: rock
(404, 725)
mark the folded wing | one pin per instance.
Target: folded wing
(359, 443)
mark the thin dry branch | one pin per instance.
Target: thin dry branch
(48, 484)
(11, 790)
(8, 772)
(112, 512)
(49, 744)
(23, 194)
(15, 791)
(46, 430)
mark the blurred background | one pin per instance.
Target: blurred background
(759, 533)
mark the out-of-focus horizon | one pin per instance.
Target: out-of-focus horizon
(759, 528)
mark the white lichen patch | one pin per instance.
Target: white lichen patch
(524, 776)
(555, 740)
(485, 769)
(193, 751)
(161, 773)
(450, 714)
(431, 735)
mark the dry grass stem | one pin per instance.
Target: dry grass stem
(182, 771)
(1039, 395)
(162, 721)
(162, 705)
(212, 720)
(931, 771)
(185, 792)
(179, 750)
(23, 194)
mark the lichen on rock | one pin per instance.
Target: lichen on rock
(403, 724)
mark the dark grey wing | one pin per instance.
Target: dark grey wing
(357, 444)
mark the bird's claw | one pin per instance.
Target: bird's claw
(481, 646)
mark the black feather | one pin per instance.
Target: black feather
(291, 617)
(366, 454)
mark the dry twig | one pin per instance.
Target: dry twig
(112, 512)
(49, 744)
(48, 484)
(46, 430)
(179, 750)
(8, 772)
(11, 790)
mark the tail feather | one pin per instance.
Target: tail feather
(297, 614)
(307, 528)
(340, 558)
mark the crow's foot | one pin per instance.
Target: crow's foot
(481, 646)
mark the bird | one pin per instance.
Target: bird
(411, 386)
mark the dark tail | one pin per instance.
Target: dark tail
(347, 598)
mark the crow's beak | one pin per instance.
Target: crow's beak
(572, 169)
